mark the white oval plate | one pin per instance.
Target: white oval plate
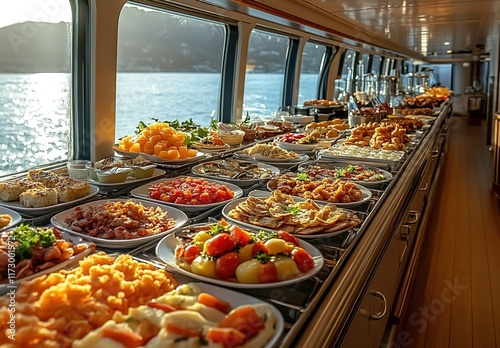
(210, 148)
(16, 218)
(155, 159)
(241, 183)
(231, 205)
(333, 165)
(296, 147)
(17, 206)
(179, 217)
(4, 288)
(142, 192)
(236, 299)
(366, 196)
(165, 251)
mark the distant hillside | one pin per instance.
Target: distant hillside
(168, 46)
(34, 47)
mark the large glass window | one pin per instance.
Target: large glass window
(376, 65)
(312, 63)
(169, 68)
(265, 73)
(35, 83)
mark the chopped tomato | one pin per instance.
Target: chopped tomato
(163, 306)
(225, 266)
(259, 246)
(228, 337)
(189, 190)
(287, 237)
(239, 236)
(304, 261)
(214, 302)
(268, 273)
(244, 319)
(181, 331)
(129, 339)
(219, 245)
(190, 253)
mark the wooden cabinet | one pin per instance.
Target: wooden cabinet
(372, 316)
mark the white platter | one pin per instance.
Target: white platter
(17, 206)
(165, 251)
(129, 181)
(296, 147)
(210, 148)
(155, 159)
(16, 218)
(236, 299)
(366, 196)
(4, 288)
(239, 182)
(142, 192)
(179, 217)
(334, 165)
(231, 205)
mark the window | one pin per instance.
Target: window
(35, 84)
(169, 68)
(376, 65)
(348, 65)
(265, 73)
(312, 64)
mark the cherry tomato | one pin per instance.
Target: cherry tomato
(228, 337)
(244, 319)
(239, 236)
(304, 261)
(288, 237)
(268, 273)
(190, 253)
(219, 245)
(226, 265)
(259, 246)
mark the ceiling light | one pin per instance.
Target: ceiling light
(446, 43)
(449, 51)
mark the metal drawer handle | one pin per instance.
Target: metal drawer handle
(425, 187)
(413, 217)
(434, 153)
(379, 315)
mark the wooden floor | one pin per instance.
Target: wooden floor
(455, 301)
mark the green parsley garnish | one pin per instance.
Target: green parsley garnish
(302, 176)
(294, 210)
(217, 229)
(29, 237)
(262, 257)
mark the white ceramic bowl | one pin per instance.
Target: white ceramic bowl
(232, 138)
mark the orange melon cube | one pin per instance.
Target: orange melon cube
(155, 138)
(183, 151)
(136, 147)
(192, 153)
(149, 148)
(158, 148)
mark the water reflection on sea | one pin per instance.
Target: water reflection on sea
(35, 109)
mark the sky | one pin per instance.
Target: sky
(16, 11)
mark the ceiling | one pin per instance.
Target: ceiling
(416, 28)
(470, 27)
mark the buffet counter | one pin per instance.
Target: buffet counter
(367, 288)
(358, 290)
